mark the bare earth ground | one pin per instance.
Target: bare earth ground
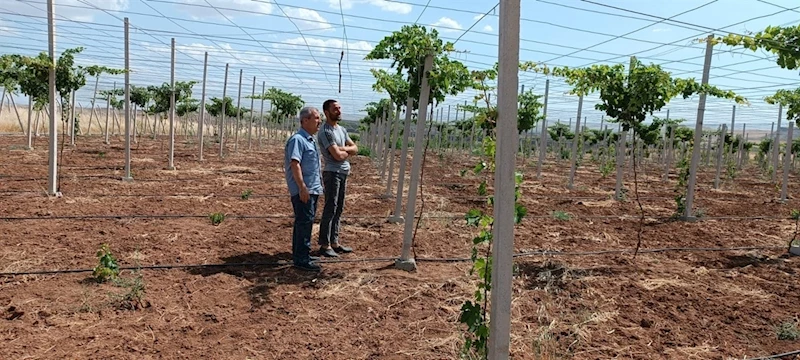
(672, 305)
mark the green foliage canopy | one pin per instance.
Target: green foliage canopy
(214, 107)
(629, 95)
(407, 49)
(375, 110)
(530, 107)
(283, 103)
(783, 41)
(161, 95)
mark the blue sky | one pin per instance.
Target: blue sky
(296, 45)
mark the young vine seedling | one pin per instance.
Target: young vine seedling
(629, 95)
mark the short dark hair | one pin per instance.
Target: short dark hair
(327, 104)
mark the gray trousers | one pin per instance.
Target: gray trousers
(334, 190)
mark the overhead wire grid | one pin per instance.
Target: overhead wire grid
(286, 64)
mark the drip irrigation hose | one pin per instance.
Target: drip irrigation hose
(256, 196)
(776, 356)
(392, 259)
(356, 217)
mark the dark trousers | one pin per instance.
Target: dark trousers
(303, 221)
(334, 184)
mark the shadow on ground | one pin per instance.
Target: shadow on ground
(266, 272)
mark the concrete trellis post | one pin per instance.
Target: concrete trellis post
(108, 114)
(472, 137)
(768, 155)
(202, 109)
(720, 153)
(623, 137)
(127, 104)
(392, 141)
(252, 116)
(708, 148)
(543, 136)
(237, 128)
(776, 147)
(387, 140)
(698, 131)
(30, 132)
(94, 99)
(2, 99)
(787, 162)
(222, 114)
(52, 155)
(261, 120)
(406, 262)
(171, 157)
(575, 141)
(73, 127)
(741, 147)
(446, 127)
(380, 137)
(462, 138)
(632, 149)
(733, 129)
(401, 174)
(16, 111)
(507, 143)
(669, 152)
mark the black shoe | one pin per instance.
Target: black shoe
(308, 267)
(313, 258)
(328, 252)
(342, 249)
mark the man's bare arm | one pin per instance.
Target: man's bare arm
(338, 153)
(350, 147)
(297, 174)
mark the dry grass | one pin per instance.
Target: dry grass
(238, 170)
(740, 294)
(359, 285)
(81, 200)
(652, 284)
(604, 203)
(693, 352)
(10, 122)
(198, 171)
(25, 263)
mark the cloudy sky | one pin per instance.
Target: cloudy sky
(296, 45)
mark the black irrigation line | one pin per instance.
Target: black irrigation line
(182, 216)
(389, 259)
(215, 195)
(111, 177)
(281, 195)
(356, 217)
(14, 178)
(776, 356)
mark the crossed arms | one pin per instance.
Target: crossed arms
(341, 153)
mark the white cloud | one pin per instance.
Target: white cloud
(71, 9)
(487, 28)
(446, 24)
(6, 30)
(477, 17)
(392, 6)
(312, 20)
(309, 63)
(224, 54)
(661, 30)
(329, 45)
(200, 9)
(388, 6)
